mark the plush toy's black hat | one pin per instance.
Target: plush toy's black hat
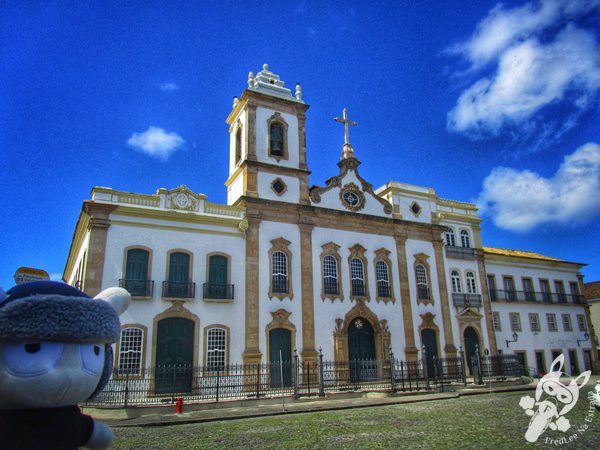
(53, 311)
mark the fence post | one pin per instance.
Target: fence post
(296, 375)
(173, 383)
(436, 378)
(425, 368)
(321, 380)
(478, 361)
(392, 371)
(257, 380)
(462, 365)
(218, 383)
(126, 389)
(402, 375)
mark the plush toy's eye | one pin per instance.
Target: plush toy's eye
(32, 358)
(92, 358)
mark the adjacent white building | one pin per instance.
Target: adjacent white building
(344, 268)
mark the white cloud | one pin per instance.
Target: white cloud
(521, 200)
(540, 58)
(169, 87)
(156, 142)
(502, 27)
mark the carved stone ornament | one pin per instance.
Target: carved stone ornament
(281, 317)
(182, 199)
(352, 197)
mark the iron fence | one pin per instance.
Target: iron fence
(164, 384)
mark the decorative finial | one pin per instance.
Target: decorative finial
(235, 101)
(298, 91)
(250, 79)
(266, 67)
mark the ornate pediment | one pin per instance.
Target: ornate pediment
(469, 315)
(181, 198)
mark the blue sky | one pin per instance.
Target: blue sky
(492, 103)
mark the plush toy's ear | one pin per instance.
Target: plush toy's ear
(118, 298)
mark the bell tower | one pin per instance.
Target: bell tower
(267, 142)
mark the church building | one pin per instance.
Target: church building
(341, 268)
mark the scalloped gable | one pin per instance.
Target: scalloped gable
(338, 192)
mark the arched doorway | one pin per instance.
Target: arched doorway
(280, 357)
(471, 346)
(429, 340)
(174, 355)
(361, 350)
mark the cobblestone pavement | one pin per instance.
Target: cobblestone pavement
(476, 417)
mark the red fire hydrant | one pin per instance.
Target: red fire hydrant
(178, 405)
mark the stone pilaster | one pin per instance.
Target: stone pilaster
(309, 353)
(409, 333)
(251, 131)
(252, 352)
(98, 229)
(449, 348)
(487, 306)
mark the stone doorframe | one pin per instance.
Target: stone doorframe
(470, 318)
(427, 323)
(380, 328)
(281, 319)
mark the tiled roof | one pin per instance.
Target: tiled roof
(520, 254)
(592, 290)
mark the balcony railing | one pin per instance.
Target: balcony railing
(218, 291)
(467, 300)
(171, 289)
(460, 252)
(531, 296)
(138, 288)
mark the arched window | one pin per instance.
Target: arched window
(357, 275)
(238, 145)
(471, 285)
(330, 275)
(456, 285)
(422, 285)
(131, 346)
(280, 273)
(276, 140)
(465, 240)
(450, 241)
(383, 279)
(216, 349)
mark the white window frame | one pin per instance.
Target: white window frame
(216, 349)
(131, 350)
(465, 238)
(552, 323)
(456, 284)
(515, 321)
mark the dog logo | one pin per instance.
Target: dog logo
(553, 400)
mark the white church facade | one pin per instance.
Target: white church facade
(343, 268)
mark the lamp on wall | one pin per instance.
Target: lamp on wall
(586, 337)
(515, 337)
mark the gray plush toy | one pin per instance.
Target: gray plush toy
(55, 352)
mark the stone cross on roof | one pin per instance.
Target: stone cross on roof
(347, 151)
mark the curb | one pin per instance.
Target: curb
(298, 408)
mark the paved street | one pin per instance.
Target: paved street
(486, 420)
